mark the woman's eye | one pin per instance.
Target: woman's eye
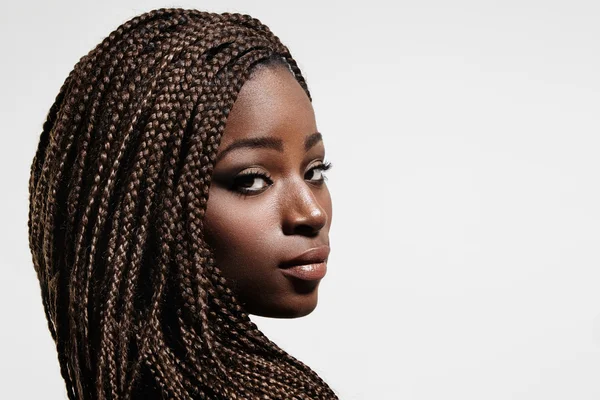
(316, 173)
(251, 182)
(255, 182)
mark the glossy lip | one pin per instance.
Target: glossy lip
(308, 266)
(307, 272)
(316, 255)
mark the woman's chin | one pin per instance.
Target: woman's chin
(298, 307)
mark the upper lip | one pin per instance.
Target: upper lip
(314, 255)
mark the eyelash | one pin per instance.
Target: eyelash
(245, 192)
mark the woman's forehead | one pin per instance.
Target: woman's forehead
(272, 103)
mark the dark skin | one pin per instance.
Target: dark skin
(280, 216)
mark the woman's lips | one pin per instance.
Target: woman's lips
(310, 256)
(307, 272)
(309, 266)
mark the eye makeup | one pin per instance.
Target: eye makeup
(250, 175)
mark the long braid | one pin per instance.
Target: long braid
(118, 190)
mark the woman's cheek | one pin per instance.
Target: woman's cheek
(240, 230)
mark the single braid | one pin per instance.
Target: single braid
(135, 302)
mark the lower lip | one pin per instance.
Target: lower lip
(307, 272)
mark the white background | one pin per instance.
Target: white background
(464, 138)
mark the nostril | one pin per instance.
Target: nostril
(307, 230)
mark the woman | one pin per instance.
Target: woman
(178, 187)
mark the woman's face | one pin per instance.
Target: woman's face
(267, 202)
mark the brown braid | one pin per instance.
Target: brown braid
(119, 184)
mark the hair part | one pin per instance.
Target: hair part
(118, 189)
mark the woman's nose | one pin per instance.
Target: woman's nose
(302, 212)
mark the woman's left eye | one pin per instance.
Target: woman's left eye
(318, 171)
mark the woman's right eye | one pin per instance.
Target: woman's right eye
(248, 183)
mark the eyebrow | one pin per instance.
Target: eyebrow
(268, 143)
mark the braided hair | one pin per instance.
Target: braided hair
(135, 302)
